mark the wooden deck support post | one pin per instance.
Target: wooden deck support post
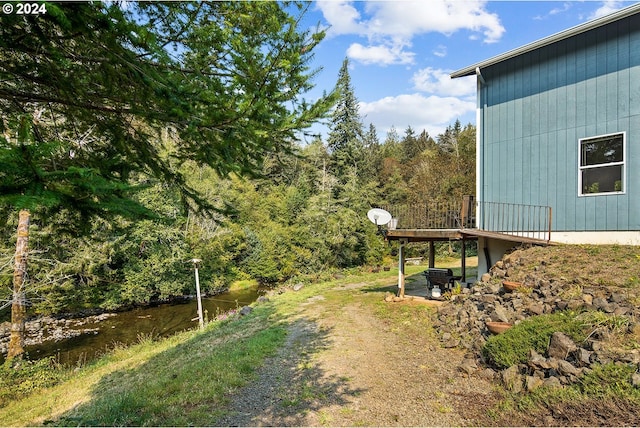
(432, 255)
(463, 263)
(401, 271)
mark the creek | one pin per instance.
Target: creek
(78, 341)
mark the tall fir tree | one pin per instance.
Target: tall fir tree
(346, 131)
(87, 88)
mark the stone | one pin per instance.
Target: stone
(246, 310)
(617, 298)
(546, 292)
(498, 273)
(583, 357)
(537, 360)
(531, 383)
(632, 357)
(621, 310)
(552, 382)
(492, 288)
(298, 286)
(560, 345)
(488, 298)
(635, 380)
(602, 304)
(468, 366)
(499, 314)
(535, 309)
(574, 304)
(452, 343)
(512, 379)
(487, 373)
(587, 299)
(485, 277)
(565, 368)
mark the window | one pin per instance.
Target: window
(602, 164)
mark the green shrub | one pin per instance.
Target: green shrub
(609, 380)
(513, 346)
(21, 378)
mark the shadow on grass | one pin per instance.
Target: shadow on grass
(415, 284)
(291, 384)
(255, 368)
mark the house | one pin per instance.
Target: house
(558, 126)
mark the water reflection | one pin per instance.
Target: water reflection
(127, 327)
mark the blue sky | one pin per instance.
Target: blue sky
(401, 52)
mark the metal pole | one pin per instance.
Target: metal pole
(199, 297)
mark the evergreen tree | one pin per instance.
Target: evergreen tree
(346, 136)
(372, 155)
(88, 88)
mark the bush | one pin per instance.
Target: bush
(20, 378)
(513, 346)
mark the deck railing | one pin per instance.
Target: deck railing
(428, 215)
(529, 221)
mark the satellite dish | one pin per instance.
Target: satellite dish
(378, 216)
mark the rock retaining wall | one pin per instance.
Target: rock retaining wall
(462, 322)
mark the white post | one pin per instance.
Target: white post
(200, 317)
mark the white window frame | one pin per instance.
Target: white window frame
(622, 163)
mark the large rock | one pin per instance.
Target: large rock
(565, 368)
(560, 345)
(512, 379)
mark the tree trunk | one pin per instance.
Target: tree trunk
(18, 305)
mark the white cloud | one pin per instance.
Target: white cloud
(437, 81)
(440, 51)
(393, 24)
(408, 18)
(608, 6)
(342, 17)
(380, 54)
(432, 113)
(555, 11)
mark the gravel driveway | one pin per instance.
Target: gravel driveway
(343, 366)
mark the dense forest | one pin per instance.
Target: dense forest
(120, 201)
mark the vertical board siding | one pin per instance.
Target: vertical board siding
(538, 105)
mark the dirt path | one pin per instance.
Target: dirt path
(343, 366)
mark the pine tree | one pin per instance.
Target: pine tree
(88, 88)
(346, 135)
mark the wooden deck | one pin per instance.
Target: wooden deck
(433, 235)
(424, 235)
